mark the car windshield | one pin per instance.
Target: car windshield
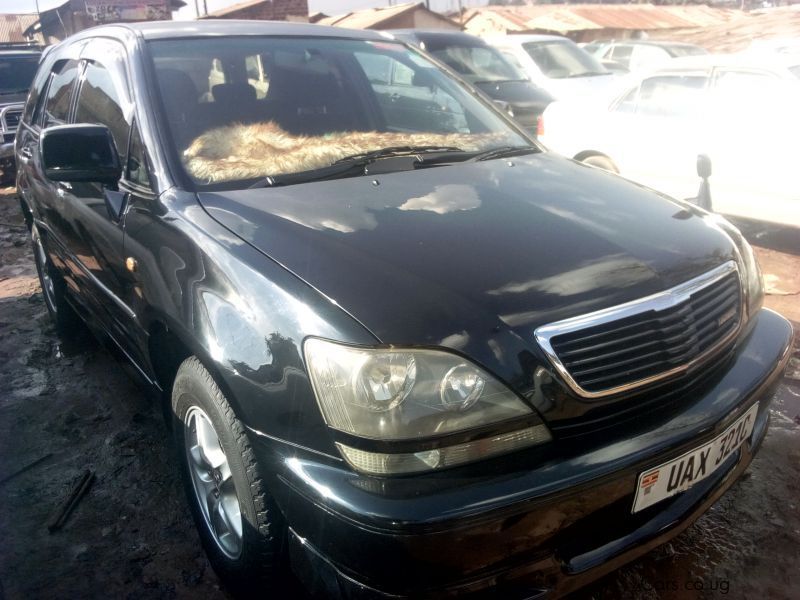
(476, 64)
(242, 109)
(559, 59)
(16, 73)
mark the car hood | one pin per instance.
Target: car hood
(450, 254)
(7, 99)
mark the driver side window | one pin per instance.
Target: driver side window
(59, 93)
(100, 102)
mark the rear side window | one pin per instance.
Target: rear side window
(672, 95)
(56, 107)
(36, 89)
(622, 54)
(100, 102)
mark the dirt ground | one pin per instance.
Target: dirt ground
(132, 537)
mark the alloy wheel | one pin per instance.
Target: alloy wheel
(212, 482)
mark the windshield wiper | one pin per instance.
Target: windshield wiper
(503, 151)
(8, 92)
(396, 151)
(351, 166)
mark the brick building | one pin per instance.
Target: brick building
(264, 10)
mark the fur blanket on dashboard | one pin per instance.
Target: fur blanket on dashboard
(242, 151)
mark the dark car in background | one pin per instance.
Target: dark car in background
(18, 64)
(485, 68)
(404, 351)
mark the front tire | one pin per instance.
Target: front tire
(241, 528)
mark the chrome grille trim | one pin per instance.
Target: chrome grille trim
(10, 117)
(656, 302)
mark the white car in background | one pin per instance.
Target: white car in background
(640, 55)
(557, 64)
(740, 110)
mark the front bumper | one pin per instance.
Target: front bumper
(520, 528)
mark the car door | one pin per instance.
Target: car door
(40, 192)
(656, 131)
(94, 212)
(755, 127)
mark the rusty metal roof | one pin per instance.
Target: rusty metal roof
(12, 26)
(739, 33)
(369, 17)
(577, 17)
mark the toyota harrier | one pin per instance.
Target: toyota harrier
(403, 349)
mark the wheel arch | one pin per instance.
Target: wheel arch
(589, 154)
(167, 348)
(584, 154)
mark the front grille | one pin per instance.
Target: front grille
(11, 118)
(648, 340)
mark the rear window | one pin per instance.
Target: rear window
(476, 64)
(676, 51)
(559, 59)
(672, 95)
(246, 108)
(16, 74)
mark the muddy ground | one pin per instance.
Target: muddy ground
(132, 537)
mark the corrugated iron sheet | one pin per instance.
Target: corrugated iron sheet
(368, 18)
(577, 17)
(737, 34)
(12, 26)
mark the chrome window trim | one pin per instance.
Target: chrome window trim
(658, 301)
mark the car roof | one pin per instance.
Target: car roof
(161, 30)
(437, 34)
(660, 43)
(527, 37)
(753, 61)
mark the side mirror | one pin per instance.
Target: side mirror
(80, 153)
(703, 166)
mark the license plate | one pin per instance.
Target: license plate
(680, 474)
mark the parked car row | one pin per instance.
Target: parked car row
(391, 333)
(638, 55)
(738, 110)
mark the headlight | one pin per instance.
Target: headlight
(399, 395)
(751, 271)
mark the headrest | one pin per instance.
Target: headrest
(233, 93)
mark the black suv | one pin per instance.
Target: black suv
(18, 64)
(403, 349)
